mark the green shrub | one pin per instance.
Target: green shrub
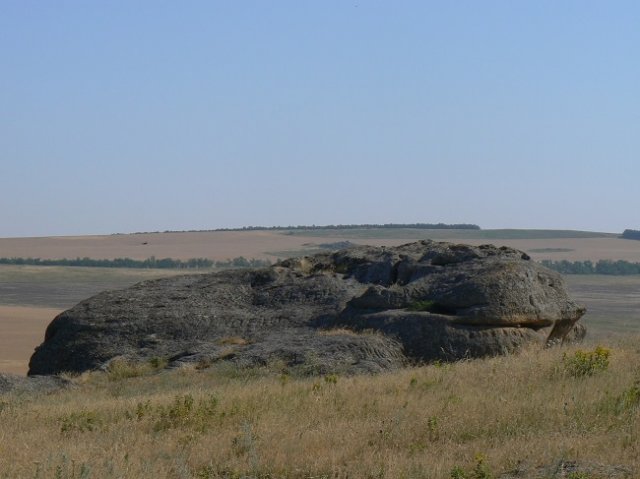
(183, 412)
(629, 399)
(331, 379)
(458, 473)
(122, 369)
(480, 470)
(586, 363)
(79, 422)
(158, 363)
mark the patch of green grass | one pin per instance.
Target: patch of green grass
(422, 305)
(430, 306)
(480, 470)
(82, 421)
(64, 286)
(122, 369)
(183, 412)
(628, 401)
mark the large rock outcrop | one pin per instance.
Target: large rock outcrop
(362, 309)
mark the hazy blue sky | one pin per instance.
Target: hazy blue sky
(120, 116)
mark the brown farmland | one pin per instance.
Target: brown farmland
(219, 245)
(222, 245)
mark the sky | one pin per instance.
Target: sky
(126, 116)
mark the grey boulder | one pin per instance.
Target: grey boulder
(362, 309)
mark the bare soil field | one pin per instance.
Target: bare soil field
(21, 330)
(574, 249)
(221, 245)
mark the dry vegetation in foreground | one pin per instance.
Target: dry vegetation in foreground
(473, 419)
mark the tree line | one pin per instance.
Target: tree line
(425, 226)
(603, 266)
(150, 263)
(422, 226)
(631, 234)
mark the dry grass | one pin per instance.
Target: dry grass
(420, 422)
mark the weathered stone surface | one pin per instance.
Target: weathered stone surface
(423, 301)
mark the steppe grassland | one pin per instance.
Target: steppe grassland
(64, 286)
(418, 422)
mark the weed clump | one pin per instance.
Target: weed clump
(586, 363)
(628, 401)
(85, 421)
(480, 470)
(124, 369)
(183, 412)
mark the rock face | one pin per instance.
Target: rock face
(362, 309)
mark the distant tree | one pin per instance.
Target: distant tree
(151, 262)
(631, 234)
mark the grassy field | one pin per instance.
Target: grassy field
(476, 419)
(64, 286)
(613, 302)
